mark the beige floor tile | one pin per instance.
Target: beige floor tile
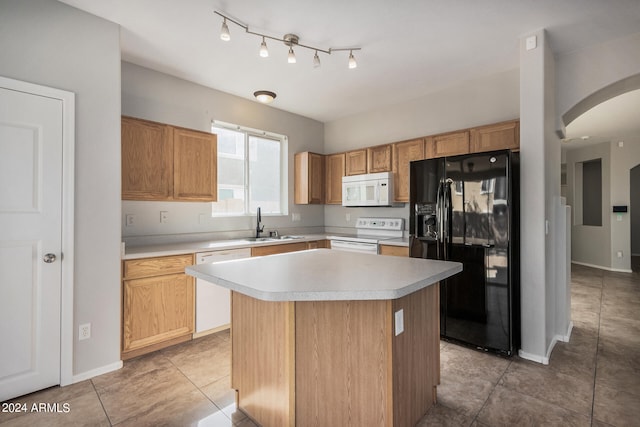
(442, 416)
(204, 361)
(224, 397)
(463, 394)
(574, 360)
(616, 407)
(132, 369)
(470, 363)
(82, 410)
(619, 370)
(509, 408)
(574, 393)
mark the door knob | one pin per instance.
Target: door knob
(49, 258)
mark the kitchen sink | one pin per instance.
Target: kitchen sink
(271, 239)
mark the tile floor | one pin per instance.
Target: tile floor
(594, 380)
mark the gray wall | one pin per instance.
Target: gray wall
(151, 95)
(51, 44)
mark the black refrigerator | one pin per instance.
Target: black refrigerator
(466, 209)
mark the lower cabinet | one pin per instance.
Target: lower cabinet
(278, 249)
(157, 304)
(394, 250)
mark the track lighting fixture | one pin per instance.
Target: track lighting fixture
(264, 52)
(290, 40)
(224, 32)
(264, 96)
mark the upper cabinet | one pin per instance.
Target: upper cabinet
(379, 158)
(163, 162)
(309, 178)
(334, 171)
(356, 162)
(498, 136)
(448, 144)
(147, 160)
(403, 153)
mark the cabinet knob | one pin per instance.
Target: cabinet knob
(49, 258)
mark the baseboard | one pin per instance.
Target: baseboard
(615, 270)
(533, 357)
(211, 331)
(98, 371)
(567, 336)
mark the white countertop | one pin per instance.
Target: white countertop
(325, 275)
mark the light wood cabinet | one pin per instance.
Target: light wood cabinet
(163, 162)
(499, 136)
(308, 185)
(195, 175)
(403, 153)
(278, 249)
(316, 244)
(379, 158)
(157, 304)
(335, 170)
(448, 144)
(147, 160)
(356, 162)
(394, 250)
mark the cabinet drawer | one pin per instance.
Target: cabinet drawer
(278, 249)
(148, 267)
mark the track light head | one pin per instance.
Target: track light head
(224, 32)
(264, 52)
(316, 60)
(352, 60)
(291, 58)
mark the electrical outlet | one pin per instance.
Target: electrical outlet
(164, 217)
(130, 220)
(295, 217)
(399, 323)
(619, 254)
(84, 331)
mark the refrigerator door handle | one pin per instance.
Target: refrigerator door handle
(446, 237)
(439, 219)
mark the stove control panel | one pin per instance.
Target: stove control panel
(380, 223)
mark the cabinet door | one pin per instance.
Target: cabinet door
(278, 249)
(403, 153)
(356, 162)
(335, 170)
(147, 160)
(308, 179)
(449, 144)
(500, 136)
(318, 244)
(194, 165)
(156, 309)
(394, 250)
(379, 158)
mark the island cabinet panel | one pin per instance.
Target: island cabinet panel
(416, 356)
(379, 158)
(335, 170)
(500, 136)
(343, 363)
(319, 244)
(195, 166)
(147, 160)
(404, 153)
(356, 162)
(263, 359)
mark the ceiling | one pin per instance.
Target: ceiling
(409, 48)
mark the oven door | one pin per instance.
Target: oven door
(349, 246)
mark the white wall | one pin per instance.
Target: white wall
(151, 95)
(51, 44)
(487, 99)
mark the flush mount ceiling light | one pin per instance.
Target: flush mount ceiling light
(290, 40)
(264, 96)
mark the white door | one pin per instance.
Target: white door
(30, 241)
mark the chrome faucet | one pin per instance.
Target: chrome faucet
(258, 221)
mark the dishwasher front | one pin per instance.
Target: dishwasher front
(213, 305)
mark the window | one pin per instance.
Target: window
(252, 171)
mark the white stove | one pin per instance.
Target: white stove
(369, 231)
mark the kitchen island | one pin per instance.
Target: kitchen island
(323, 337)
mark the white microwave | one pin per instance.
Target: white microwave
(373, 189)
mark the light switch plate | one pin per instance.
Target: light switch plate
(531, 43)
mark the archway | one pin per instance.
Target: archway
(634, 211)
